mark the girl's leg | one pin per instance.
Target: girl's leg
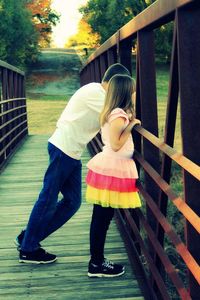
(100, 222)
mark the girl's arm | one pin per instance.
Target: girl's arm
(119, 135)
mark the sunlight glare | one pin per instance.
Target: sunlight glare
(69, 19)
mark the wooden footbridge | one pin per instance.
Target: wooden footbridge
(139, 238)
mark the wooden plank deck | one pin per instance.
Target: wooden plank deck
(66, 279)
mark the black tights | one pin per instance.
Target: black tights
(100, 222)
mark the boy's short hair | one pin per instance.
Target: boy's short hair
(113, 70)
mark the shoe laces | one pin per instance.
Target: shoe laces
(108, 264)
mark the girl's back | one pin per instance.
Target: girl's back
(126, 151)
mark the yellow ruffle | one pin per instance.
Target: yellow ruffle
(107, 198)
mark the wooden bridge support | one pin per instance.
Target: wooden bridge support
(189, 70)
(13, 115)
(154, 155)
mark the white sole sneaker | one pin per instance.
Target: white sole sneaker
(36, 262)
(100, 275)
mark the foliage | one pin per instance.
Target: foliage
(163, 40)
(18, 39)
(85, 36)
(106, 16)
(25, 26)
(43, 18)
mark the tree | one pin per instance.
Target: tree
(106, 16)
(18, 38)
(43, 18)
(85, 37)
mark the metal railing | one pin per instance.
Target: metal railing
(154, 156)
(13, 115)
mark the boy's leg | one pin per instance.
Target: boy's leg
(68, 206)
(58, 171)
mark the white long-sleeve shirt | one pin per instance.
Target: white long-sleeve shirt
(79, 122)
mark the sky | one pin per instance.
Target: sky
(70, 16)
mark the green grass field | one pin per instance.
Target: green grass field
(43, 115)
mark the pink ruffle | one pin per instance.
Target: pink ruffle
(116, 167)
(100, 181)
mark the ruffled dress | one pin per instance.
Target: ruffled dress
(111, 177)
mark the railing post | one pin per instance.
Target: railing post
(103, 64)
(112, 55)
(93, 73)
(148, 106)
(125, 54)
(189, 69)
(97, 70)
(147, 90)
(170, 126)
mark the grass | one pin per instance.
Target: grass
(43, 115)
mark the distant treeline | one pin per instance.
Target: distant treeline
(25, 26)
(105, 17)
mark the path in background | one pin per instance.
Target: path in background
(50, 84)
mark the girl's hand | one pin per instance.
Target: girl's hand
(135, 122)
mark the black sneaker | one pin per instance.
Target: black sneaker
(106, 269)
(18, 240)
(39, 256)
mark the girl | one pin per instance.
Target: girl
(112, 173)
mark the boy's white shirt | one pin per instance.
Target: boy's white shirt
(79, 122)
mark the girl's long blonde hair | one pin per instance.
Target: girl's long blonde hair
(119, 94)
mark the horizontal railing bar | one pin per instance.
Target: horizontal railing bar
(179, 245)
(12, 120)
(13, 129)
(157, 11)
(12, 99)
(8, 145)
(98, 141)
(11, 68)
(188, 213)
(11, 110)
(155, 273)
(179, 158)
(169, 268)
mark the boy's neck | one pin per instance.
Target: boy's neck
(104, 84)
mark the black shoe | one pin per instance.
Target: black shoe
(106, 269)
(39, 256)
(19, 239)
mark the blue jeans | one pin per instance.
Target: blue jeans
(63, 175)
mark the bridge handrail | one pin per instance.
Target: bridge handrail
(153, 17)
(155, 188)
(13, 112)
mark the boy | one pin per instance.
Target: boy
(77, 125)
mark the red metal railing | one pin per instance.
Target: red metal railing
(154, 156)
(13, 115)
